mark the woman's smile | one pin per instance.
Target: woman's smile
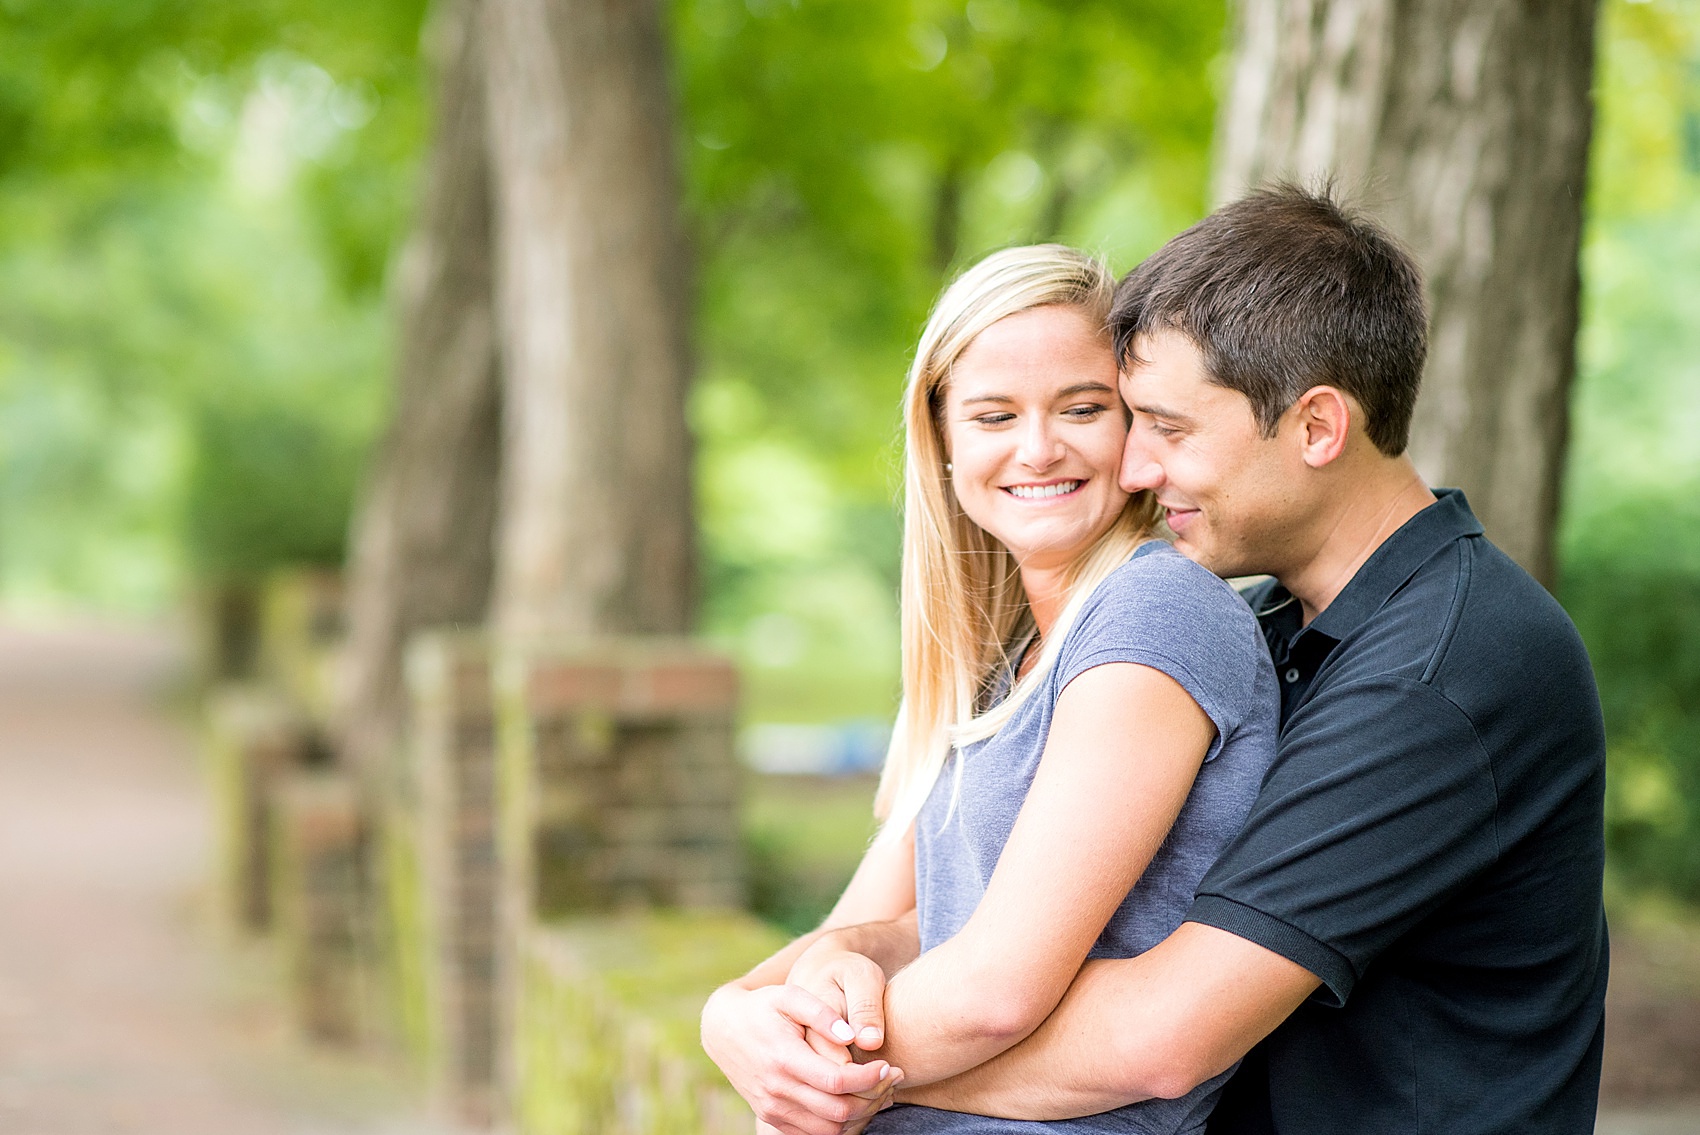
(1045, 490)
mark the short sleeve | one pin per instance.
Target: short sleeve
(1163, 611)
(1380, 804)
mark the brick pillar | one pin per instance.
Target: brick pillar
(453, 745)
(617, 786)
(625, 781)
(256, 740)
(603, 776)
(317, 858)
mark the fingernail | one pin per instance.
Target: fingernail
(842, 1032)
(870, 1035)
(885, 1073)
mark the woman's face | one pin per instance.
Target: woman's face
(1035, 429)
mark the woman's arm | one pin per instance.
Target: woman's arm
(1126, 743)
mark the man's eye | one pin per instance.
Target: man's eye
(1163, 431)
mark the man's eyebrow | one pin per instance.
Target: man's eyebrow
(1165, 413)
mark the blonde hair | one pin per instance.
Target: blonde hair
(962, 599)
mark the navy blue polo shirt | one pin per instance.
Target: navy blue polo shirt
(1429, 842)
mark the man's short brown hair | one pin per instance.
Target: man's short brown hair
(1284, 290)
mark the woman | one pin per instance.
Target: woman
(1087, 715)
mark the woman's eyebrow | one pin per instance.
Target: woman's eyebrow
(1085, 388)
(988, 398)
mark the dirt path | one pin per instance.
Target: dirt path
(118, 1013)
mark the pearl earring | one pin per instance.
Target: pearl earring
(949, 468)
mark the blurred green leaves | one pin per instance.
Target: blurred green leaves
(842, 158)
(199, 204)
(1630, 540)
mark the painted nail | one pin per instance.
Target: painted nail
(842, 1032)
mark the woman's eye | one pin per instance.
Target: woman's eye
(1087, 412)
(993, 419)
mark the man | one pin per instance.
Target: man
(1408, 934)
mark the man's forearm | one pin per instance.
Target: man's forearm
(1130, 1029)
(1067, 1068)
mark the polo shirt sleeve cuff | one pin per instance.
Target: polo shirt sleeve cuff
(1290, 942)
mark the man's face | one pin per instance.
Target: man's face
(1228, 493)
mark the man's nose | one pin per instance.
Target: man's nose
(1139, 470)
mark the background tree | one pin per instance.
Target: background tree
(1465, 127)
(596, 530)
(422, 552)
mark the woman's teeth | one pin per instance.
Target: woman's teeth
(1040, 492)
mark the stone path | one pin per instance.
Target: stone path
(119, 1012)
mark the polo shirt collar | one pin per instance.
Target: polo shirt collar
(1389, 567)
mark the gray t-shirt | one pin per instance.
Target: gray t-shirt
(1159, 610)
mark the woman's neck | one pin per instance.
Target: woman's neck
(1047, 595)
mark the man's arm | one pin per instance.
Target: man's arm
(1158, 1024)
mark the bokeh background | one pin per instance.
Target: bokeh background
(201, 208)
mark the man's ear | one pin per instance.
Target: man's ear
(1324, 418)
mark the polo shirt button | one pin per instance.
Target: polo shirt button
(1292, 674)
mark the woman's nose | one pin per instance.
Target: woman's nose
(1040, 448)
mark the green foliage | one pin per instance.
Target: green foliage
(1630, 545)
(194, 220)
(842, 157)
(201, 202)
(266, 486)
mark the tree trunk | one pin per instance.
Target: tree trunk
(1463, 125)
(596, 532)
(422, 551)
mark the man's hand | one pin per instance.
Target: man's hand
(849, 983)
(759, 1039)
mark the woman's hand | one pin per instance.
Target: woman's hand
(880, 1097)
(850, 983)
(759, 1039)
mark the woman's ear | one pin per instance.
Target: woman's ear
(1324, 415)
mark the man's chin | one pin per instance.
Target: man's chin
(1193, 552)
(1211, 559)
